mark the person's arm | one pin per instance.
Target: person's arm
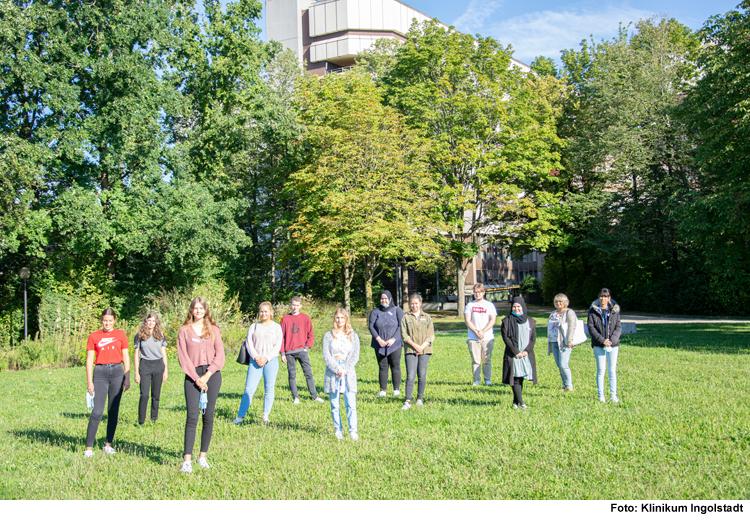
(90, 356)
(284, 330)
(469, 322)
(328, 354)
(572, 319)
(126, 368)
(373, 331)
(137, 358)
(406, 338)
(249, 342)
(490, 324)
(164, 358)
(276, 347)
(182, 355)
(310, 335)
(615, 338)
(430, 333)
(513, 347)
(532, 337)
(593, 331)
(217, 363)
(353, 357)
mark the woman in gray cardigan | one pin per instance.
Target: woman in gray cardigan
(341, 353)
(561, 329)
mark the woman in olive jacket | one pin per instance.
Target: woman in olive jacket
(511, 329)
(605, 329)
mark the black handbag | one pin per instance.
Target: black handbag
(243, 358)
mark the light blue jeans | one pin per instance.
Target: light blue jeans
(350, 400)
(608, 356)
(254, 373)
(562, 359)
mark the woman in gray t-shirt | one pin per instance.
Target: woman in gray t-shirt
(150, 364)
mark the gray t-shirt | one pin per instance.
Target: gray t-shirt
(149, 349)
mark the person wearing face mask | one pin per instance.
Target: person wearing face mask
(605, 329)
(418, 334)
(385, 327)
(150, 346)
(519, 335)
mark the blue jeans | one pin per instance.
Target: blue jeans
(606, 355)
(350, 400)
(254, 373)
(562, 359)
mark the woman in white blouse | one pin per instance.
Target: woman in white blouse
(264, 345)
(341, 353)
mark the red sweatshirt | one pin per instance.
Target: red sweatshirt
(298, 332)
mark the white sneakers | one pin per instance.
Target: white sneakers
(187, 467)
(614, 399)
(339, 435)
(202, 462)
(397, 392)
(419, 403)
(488, 383)
(382, 394)
(353, 435)
(109, 450)
(237, 420)
(406, 407)
(265, 418)
(476, 384)
(319, 400)
(296, 401)
(88, 453)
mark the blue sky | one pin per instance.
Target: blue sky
(545, 27)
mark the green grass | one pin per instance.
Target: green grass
(681, 431)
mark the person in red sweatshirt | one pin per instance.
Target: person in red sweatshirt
(298, 339)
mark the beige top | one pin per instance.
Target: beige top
(419, 329)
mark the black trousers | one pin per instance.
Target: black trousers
(394, 361)
(192, 398)
(517, 390)
(108, 383)
(416, 365)
(291, 366)
(151, 372)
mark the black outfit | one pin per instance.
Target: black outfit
(385, 322)
(192, 398)
(108, 383)
(302, 356)
(598, 330)
(151, 372)
(509, 331)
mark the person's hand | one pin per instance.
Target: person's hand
(91, 387)
(341, 374)
(480, 335)
(137, 378)
(164, 376)
(418, 348)
(570, 344)
(261, 361)
(380, 342)
(607, 342)
(201, 384)
(283, 359)
(126, 385)
(390, 341)
(522, 355)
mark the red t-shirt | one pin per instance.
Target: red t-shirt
(108, 346)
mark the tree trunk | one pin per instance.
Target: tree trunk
(460, 283)
(404, 287)
(369, 277)
(347, 270)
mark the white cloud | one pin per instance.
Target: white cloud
(476, 15)
(548, 32)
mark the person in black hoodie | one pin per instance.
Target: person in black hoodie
(605, 329)
(519, 363)
(385, 327)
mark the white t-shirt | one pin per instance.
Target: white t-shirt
(480, 316)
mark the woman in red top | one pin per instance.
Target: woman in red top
(108, 375)
(201, 354)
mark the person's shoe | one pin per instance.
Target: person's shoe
(88, 453)
(515, 406)
(382, 394)
(406, 406)
(109, 450)
(237, 420)
(353, 435)
(296, 401)
(476, 384)
(202, 462)
(420, 403)
(153, 421)
(187, 467)
(265, 418)
(397, 392)
(523, 406)
(319, 400)
(614, 399)
(601, 399)
(488, 383)
(339, 435)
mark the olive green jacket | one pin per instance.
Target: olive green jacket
(419, 329)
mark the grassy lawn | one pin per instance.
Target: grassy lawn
(681, 431)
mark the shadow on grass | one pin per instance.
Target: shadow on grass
(715, 338)
(75, 415)
(72, 443)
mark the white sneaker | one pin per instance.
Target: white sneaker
(381, 394)
(339, 435)
(353, 435)
(397, 392)
(601, 399)
(319, 400)
(265, 418)
(614, 399)
(237, 420)
(187, 467)
(296, 401)
(488, 383)
(476, 384)
(406, 406)
(202, 462)
(420, 403)
(88, 453)
(109, 450)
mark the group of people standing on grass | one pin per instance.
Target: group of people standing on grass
(201, 355)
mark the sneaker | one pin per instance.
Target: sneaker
(265, 418)
(353, 435)
(237, 420)
(88, 453)
(187, 467)
(406, 406)
(339, 435)
(420, 403)
(296, 401)
(476, 384)
(614, 399)
(515, 406)
(202, 462)
(397, 392)
(488, 383)
(381, 394)
(319, 400)
(601, 399)
(109, 450)
(523, 406)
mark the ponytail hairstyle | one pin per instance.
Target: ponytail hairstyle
(108, 311)
(157, 332)
(208, 321)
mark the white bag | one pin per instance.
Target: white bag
(580, 336)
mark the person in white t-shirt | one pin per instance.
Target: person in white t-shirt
(480, 316)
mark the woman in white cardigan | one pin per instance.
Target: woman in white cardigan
(263, 345)
(341, 353)
(561, 329)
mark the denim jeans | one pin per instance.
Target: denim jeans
(108, 382)
(562, 359)
(254, 373)
(606, 355)
(416, 365)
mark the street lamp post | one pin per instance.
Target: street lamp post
(25, 274)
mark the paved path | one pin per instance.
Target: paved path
(655, 319)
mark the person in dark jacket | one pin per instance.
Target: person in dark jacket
(385, 327)
(519, 363)
(605, 329)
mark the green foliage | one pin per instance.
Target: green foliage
(545, 66)
(531, 284)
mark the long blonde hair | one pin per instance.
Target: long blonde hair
(347, 325)
(144, 332)
(208, 321)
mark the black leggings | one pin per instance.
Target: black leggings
(108, 383)
(517, 389)
(192, 397)
(151, 372)
(416, 365)
(394, 361)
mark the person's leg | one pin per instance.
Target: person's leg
(382, 370)
(270, 371)
(145, 374)
(350, 400)
(556, 354)
(565, 373)
(116, 382)
(157, 378)
(394, 360)
(254, 373)
(335, 411)
(192, 397)
(475, 351)
(212, 394)
(612, 370)
(304, 362)
(601, 359)
(423, 360)
(411, 374)
(518, 391)
(291, 369)
(101, 385)
(487, 347)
